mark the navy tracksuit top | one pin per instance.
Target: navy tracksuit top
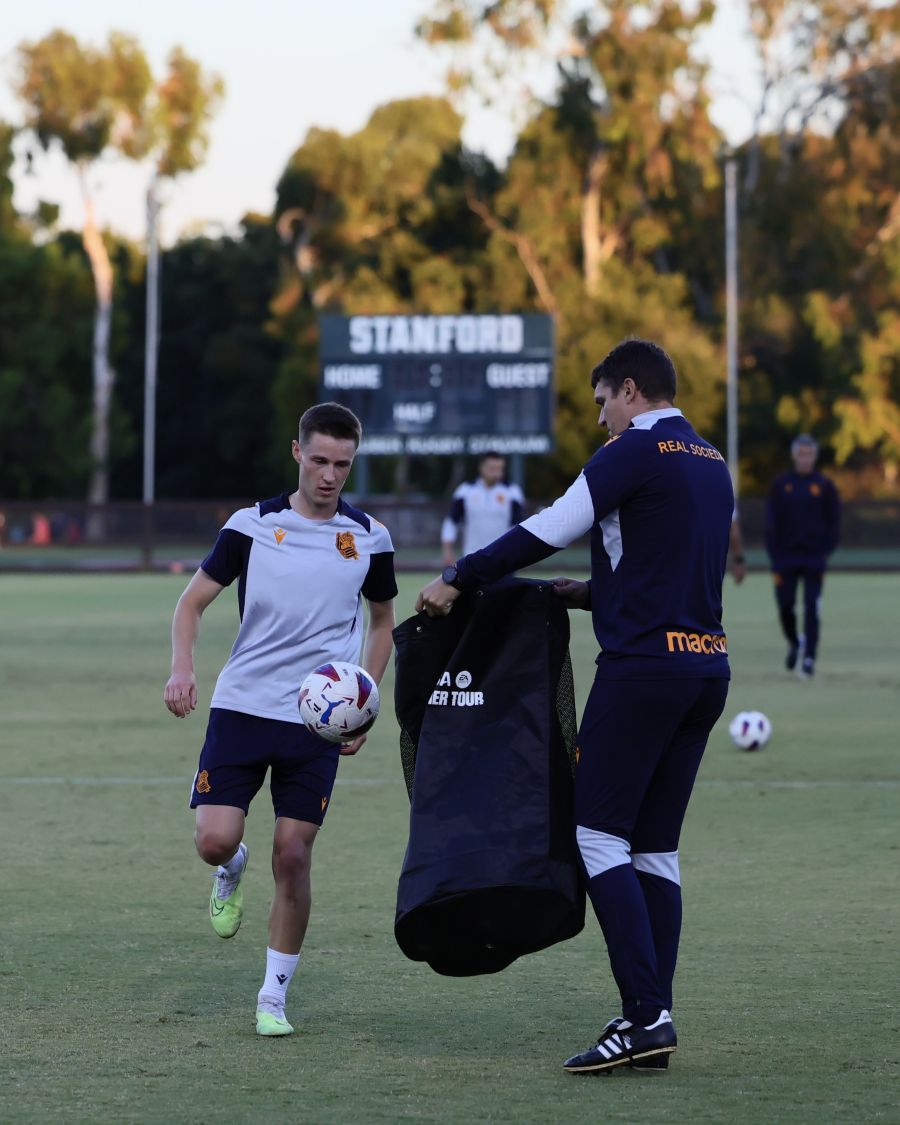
(658, 503)
(803, 520)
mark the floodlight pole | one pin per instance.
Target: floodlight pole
(151, 347)
(731, 320)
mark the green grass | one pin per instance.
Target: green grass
(120, 1005)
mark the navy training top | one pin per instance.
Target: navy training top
(658, 503)
(803, 520)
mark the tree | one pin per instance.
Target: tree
(219, 355)
(603, 192)
(92, 101)
(45, 309)
(183, 105)
(376, 221)
(809, 52)
(859, 319)
(820, 235)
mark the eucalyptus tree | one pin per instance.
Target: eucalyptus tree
(97, 101)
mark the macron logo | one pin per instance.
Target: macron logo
(279, 534)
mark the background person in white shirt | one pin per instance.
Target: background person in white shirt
(484, 508)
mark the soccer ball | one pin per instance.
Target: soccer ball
(338, 701)
(750, 730)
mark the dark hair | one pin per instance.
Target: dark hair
(331, 419)
(490, 455)
(646, 363)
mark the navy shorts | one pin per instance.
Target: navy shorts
(238, 750)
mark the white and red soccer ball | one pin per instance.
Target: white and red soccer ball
(338, 701)
(750, 730)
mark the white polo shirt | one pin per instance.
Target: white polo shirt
(484, 512)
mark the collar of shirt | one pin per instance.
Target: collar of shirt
(649, 418)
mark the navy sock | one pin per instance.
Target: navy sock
(618, 901)
(663, 899)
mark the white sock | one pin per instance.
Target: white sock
(228, 874)
(233, 866)
(279, 970)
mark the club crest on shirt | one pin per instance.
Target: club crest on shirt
(346, 544)
(279, 534)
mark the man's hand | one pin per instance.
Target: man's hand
(348, 748)
(738, 570)
(180, 695)
(436, 599)
(574, 594)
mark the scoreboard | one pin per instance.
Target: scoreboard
(442, 384)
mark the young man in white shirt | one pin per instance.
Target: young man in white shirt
(303, 562)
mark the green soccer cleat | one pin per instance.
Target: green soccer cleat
(226, 903)
(267, 1023)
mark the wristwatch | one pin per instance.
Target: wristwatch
(450, 576)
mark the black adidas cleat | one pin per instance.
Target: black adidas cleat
(622, 1044)
(654, 1062)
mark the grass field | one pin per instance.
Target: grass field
(120, 1005)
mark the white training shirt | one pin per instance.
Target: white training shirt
(485, 513)
(300, 585)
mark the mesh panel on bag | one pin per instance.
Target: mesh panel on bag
(408, 758)
(565, 709)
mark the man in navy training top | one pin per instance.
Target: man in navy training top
(301, 561)
(483, 508)
(658, 503)
(803, 526)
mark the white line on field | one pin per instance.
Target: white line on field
(741, 782)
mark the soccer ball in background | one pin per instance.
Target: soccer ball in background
(338, 701)
(750, 730)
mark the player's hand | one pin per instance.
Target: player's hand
(574, 594)
(180, 696)
(436, 599)
(738, 571)
(348, 748)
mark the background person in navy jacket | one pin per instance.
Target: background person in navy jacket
(803, 526)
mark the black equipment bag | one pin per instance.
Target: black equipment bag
(486, 706)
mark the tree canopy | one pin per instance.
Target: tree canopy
(608, 215)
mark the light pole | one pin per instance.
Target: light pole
(151, 347)
(731, 320)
